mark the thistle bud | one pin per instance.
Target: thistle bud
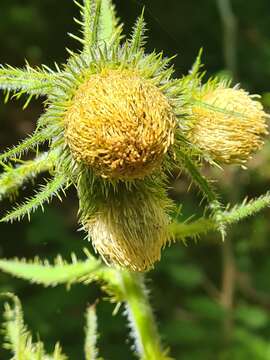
(228, 125)
(132, 231)
(120, 125)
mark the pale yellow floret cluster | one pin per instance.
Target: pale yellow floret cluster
(228, 125)
(131, 236)
(120, 125)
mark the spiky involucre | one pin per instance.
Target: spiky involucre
(228, 125)
(119, 124)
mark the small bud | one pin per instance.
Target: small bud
(132, 231)
(228, 125)
(120, 125)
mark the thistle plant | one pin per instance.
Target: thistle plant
(116, 124)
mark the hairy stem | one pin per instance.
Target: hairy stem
(141, 317)
(203, 225)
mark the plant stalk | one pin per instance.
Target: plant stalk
(141, 317)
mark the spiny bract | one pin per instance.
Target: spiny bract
(116, 122)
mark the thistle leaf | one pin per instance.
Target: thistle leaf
(28, 80)
(19, 340)
(203, 225)
(138, 37)
(39, 137)
(14, 177)
(90, 12)
(109, 25)
(90, 349)
(45, 194)
(47, 274)
(57, 354)
(246, 209)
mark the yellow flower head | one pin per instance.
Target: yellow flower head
(228, 125)
(119, 124)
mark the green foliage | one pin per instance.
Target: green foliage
(204, 225)
(31, 81)
(14, 177)
(20, 343)
(60, 272)
(138, 39)
(52, 188)
(31, 142)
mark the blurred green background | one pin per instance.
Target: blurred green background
(212, 300)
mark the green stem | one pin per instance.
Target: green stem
(204, 225)
(140, 314)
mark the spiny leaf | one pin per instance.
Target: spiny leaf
(57, 354)
(18, 338)
(47, 274)
(197, 65)
(90, 11)
(28, 80)
(29, 143)
(14, 177)
(109, 26)
(87, 16)
(90, 346)
(203, 225)
(96, 22)
(15, 332)
(247, 209)
(45, 194)
(138, 38)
